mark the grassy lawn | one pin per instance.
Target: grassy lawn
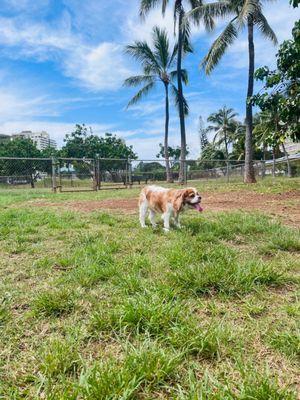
(94, 307)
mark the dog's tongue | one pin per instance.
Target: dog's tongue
(198, 207)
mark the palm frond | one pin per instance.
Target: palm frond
(164, 6)
(143, 53)
(146, 6)
(184, 76)
(138, 79)
(221, 139)
(176, 99)
(249, 8)
(214, 10)
(161, 45)
(173, 55)
(263, 25)
(140, 94)
(187, 46)
(219, 47)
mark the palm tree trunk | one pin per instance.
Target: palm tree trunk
(166, 142)
(31, 181)
(287, 161)
(180, 98)
(249, 176)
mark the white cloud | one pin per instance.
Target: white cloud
(99, 67)
(13, 106)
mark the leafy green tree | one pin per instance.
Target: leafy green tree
(281, 91)
(247, 14)
(50, 152)
(82, 143)
(183, 31)
(25, 169)
(157, 63)
(174, 154)
(151, 170)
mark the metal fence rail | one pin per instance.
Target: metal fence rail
(81, 174)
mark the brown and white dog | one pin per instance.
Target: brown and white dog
(168, 202)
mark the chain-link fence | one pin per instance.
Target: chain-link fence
(25, 172)
(79, 174)
(74, 174)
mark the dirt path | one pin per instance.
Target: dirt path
(285, 205)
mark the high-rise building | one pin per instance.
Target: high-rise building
(41, 139)
(292, 147)
(4, 138)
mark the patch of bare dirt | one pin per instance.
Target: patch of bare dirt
(285, 205)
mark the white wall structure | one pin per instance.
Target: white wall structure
(292, 147)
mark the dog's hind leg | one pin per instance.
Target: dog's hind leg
(143, 213)
(152, 218)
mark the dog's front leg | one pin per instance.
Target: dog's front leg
(166, 218)
(176, 221)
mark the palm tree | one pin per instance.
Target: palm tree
(157, 64)
(245, 13)
(225, 127)
(183, 45)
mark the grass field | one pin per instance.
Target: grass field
(94, 307)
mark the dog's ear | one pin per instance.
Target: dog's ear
(179, 200)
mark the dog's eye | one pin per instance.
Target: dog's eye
(192, 195)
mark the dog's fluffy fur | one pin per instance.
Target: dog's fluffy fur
(168, 202)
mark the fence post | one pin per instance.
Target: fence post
(227, 170)
(129, 167)
(54, 186)
(98, 173)
(59, 177)
(95, 179)
(263, 169)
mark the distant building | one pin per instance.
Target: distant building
(41, 139)
(292, 147)
(4, 138)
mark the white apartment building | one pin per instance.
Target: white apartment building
(41, 139)
(4, 137)
(292, 147)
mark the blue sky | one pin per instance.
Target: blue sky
(62, 62)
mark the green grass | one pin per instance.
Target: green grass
(94, 307)
(53, 302)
